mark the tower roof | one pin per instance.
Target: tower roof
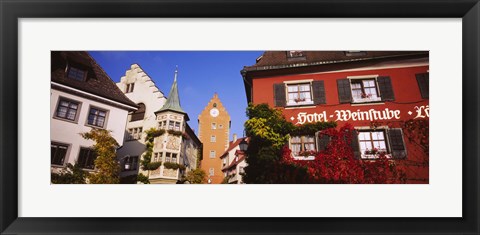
(173, 100)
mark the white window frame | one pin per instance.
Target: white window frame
(384, 129)
(365, 99)
(95, 120)
(212, 154)
(134, 133)
(297, 83)
(302, 137)
(213, 139)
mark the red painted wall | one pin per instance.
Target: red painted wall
(407, 96)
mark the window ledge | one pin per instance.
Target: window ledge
(307, 158)
(367, 103)
(65, 119)
(300, 103)
(99, 127)
(57, 165)
(374, 156)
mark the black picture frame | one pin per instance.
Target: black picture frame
(11, 11)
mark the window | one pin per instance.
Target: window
(371, 143)
(213, 139)
(224, 162)
(67, 109)
(364, 90)
(131, 163)
(86, 158)
(139, 114)
(355, 53)
(220, 126)
(76, 73)
(422, 80)
(170, 157)
(134, 133)
(130, 87)
(96, 117)
(172, 125)
(211, 171)
(177, 126)
(157, 157)
(291, 54)
(212, 153)
(299, 94)
(303, 146)
(58, 153)
(214, 125)
(162, 125)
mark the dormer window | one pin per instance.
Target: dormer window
(355, 53)
(292, 54)
(76, 73)
(296, 56)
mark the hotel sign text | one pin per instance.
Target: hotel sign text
(368, 115)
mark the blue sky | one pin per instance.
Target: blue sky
(200, 75)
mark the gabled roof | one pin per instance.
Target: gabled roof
(234, 144)
(236, 161)
(173, 100)
(97, 82)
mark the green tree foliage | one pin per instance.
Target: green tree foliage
(73, 174)
(269, 131)
(106, 165)
(196, 176)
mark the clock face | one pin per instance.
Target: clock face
(214, 112)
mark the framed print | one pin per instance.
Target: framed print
(120, 69)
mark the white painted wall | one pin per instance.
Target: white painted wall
(68, 132)
(145, 91)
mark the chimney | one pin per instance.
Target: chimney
(234, 137)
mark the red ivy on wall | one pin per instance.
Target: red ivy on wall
(337, 164)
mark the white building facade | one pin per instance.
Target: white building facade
(82, 97)
(233, 160)
(175, 149)
(141, 89)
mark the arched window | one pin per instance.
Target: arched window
(139, 114)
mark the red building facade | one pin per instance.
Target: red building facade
(383, 94)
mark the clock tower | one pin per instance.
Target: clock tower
(214, 132)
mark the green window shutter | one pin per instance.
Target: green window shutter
(385, 87)
(423, 84)
(318, 88)
(322, 141)
(279, 95)
(344, 91)
(397, 145)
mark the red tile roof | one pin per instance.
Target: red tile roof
(234, 144)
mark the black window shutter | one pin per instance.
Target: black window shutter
(355, 145)
(279, 95)
(318, 88)
(344, 91)
(322, 141)
(385, 87)
(396, 143)
(423, 82)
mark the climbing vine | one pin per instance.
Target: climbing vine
(106, 166)
(146, 162)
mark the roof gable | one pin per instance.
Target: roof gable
(97, 82)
